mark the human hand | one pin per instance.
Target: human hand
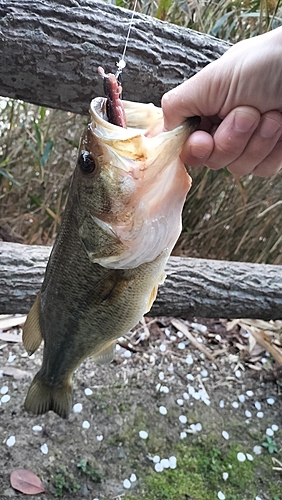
(239, 98)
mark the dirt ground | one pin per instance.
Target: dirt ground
(92, 453)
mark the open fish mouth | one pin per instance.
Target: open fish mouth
(151, 221)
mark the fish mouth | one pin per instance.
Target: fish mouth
(160, 181)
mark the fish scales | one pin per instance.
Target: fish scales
(122, 219)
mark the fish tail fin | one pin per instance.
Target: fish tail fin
(42, 397)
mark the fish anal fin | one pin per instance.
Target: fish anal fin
(106, 355)
(42, 397)
(32, 337)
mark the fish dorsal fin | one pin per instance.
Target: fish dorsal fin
(32, 337)
(106, 355)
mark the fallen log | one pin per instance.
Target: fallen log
(50, 52)
(194, 287)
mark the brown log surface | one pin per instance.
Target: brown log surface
(194, 287)
(50, 52)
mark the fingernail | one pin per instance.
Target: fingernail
(269, 127)
(244, 122)
(198, 152)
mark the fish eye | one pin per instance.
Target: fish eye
(86, 163)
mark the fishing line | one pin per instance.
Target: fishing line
(121, 63)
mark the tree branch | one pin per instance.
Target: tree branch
(194, 287)
(50, 52)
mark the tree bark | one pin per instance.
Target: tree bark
(50, 52)
(194, 287)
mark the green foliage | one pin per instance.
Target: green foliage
(65, 482)
(270, 445)
(94, 474)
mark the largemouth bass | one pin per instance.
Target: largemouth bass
(122, 219)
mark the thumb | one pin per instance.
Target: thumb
(201, 95)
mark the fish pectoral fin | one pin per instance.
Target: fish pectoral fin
(152, 298)
(106, 355)
(32, 337)
(42, 398)
(155, 291)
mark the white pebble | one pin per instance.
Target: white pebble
(162, 410)
(180, 335)
(172, 462)
(235, 404)
(225, 476)
(196, 396)
(5, 398)
(249, 457)
(258, 498)
(189, 360)
(242, 398)
(204, 373)
(185, 395)
(238, 374)
(162, 347)
(156, 459)
(37, 428)
(88, 391)
(100, 437)
(257, 450)
(191, 390)
(158, 386)
(143, 434)
(225, 435)
(189, 376)
(270, 401)
(173, 338)
(180, 402)
(183, 419)
(127, 354)
(159, 467)
(269, 432)
(44, 449)
(165, 463)
(161, 376)
(221, 403)
(4, 389)
(241, 457)
(85, 424)
(164, 389)
(77, 408)
(133, 478)
(207, 401)
(183, 435)
(260, 414)
(250, 394)
(248, 414)
(127, 484)
(11, 441)
(258, 405)
(199, 327)
(170, 368)
(221, 495)
(218, 337)
(181, 346)
(274, 427)
(198, 427)
(11, 358)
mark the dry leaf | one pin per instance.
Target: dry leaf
(26, 482)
